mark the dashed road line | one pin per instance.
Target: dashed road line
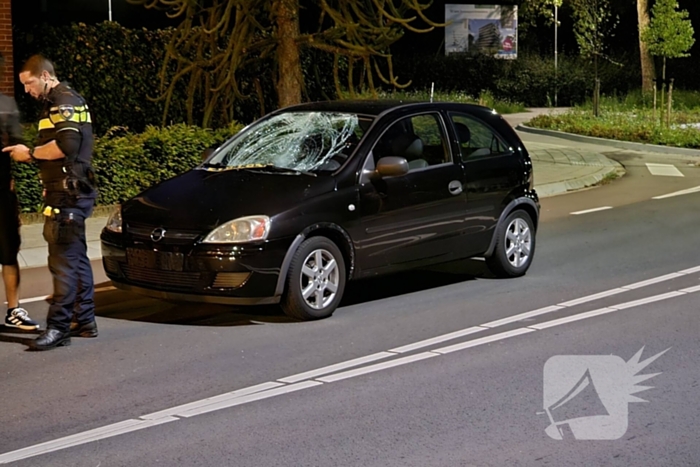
(587, 211)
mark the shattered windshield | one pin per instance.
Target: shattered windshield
(297, 141)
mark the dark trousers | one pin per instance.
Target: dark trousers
(73, 286)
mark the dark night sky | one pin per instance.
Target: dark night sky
(28, 12)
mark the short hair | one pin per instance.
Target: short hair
(37, 64)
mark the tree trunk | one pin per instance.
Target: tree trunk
(289, 76)
(647, 60)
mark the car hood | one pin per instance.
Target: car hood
(204, 199)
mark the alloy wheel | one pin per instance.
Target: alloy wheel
(518, 242)
(320, 279)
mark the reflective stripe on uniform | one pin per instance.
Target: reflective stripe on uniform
(45, 124)
(80, 114)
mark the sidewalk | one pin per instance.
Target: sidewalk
(558, 168)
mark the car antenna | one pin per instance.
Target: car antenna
(432, 88)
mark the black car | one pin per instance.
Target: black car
(312, 196)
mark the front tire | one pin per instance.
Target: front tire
(515, 246)
(315, 280)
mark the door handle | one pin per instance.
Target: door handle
(455, 187)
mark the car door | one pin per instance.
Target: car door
(492, 171)
(415, 217)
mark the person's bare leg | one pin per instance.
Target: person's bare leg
(10, 276)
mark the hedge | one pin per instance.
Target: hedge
(528, 79)
(126, 164)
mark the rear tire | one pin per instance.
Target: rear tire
(315, 280)
(515, 246)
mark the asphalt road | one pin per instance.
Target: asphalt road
(474, 395)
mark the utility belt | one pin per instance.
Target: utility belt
(69, 185)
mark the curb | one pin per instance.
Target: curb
(642, 147)
(566, 186)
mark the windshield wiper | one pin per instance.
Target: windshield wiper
(215, 165)
(274, 168)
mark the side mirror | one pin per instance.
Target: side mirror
(392, 166)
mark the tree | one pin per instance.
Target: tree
(219, 39)
(647, 62)
(593, 24)
(670, 33)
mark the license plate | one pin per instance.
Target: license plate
(149, 259)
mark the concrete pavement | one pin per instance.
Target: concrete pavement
(558, 166)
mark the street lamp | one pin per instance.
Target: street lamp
(556, 48)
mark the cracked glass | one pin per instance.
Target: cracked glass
(296, 141)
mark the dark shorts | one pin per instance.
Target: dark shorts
(9, 228)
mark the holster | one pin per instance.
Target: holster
(61, 228)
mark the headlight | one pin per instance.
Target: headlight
(241, 230)
(114, 222)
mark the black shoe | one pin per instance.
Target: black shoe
(49, 339)
(83, 330)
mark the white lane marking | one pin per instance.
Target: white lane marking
(377, 367)
(522, 316)
(664, 170)
(679, 193)
(210, 400)
(258, 392)
(46, 297)
(250, 398)
(569, 319)
(644, 301)
(654, 280)
(108, 431)
(482, 341)
(690, 270)
(603, 208)
(590, 298)
(438, 339)
(338, 366)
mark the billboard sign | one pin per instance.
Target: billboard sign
(482, 29)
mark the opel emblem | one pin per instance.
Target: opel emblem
(158, 234)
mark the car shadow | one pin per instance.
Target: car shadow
(367, 290)
(118, 304)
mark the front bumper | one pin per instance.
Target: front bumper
(236, 275)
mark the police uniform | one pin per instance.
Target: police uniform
(69, 198)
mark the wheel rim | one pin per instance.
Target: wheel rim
(319, 279)
(518, 242)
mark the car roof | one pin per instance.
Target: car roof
(376, 107)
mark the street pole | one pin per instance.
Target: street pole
(109, 4)
(556, 51)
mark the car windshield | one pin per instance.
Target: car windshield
(297, 141)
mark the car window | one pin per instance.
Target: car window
(476, 139)
(307, 141)
(419, 139)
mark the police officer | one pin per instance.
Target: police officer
(63, 154)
